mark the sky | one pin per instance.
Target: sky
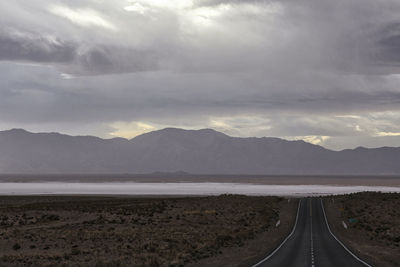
(327, 72)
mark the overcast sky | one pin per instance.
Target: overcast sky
(324, 71)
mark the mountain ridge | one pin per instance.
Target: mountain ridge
(204, 151)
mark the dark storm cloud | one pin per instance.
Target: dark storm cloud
(35, 48)
(348, 36)
(388, 51)
(102, 60)
(70, 57)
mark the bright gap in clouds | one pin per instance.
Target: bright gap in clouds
(188, 11)
(318, 130)
(184, 9)
(82, 17)
(172, 4)
(130, 130)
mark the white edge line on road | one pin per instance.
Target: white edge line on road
(283, 242)
(329, 229)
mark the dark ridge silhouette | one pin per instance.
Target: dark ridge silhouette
(184, 151)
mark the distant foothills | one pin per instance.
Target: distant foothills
(190, 151)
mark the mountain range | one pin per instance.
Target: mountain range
(193, 151)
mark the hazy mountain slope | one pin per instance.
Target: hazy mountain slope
(24, 152)
(202, 151)
(208, 151)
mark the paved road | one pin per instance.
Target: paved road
(311, 243)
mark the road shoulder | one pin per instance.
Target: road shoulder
(356, 239)
(258, 248)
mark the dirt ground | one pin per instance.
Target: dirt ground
(227, 230)
(373, 225)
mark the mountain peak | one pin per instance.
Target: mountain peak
(16, 131)
(178, 132)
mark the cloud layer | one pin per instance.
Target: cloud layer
(324, 71)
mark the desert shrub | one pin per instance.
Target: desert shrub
(223, 239)
(75, 251)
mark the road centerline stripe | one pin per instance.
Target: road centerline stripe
(311, 237)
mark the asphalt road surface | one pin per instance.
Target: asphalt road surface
(311, 243)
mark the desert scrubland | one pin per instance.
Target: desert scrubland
(373, 225)
(117, 231)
